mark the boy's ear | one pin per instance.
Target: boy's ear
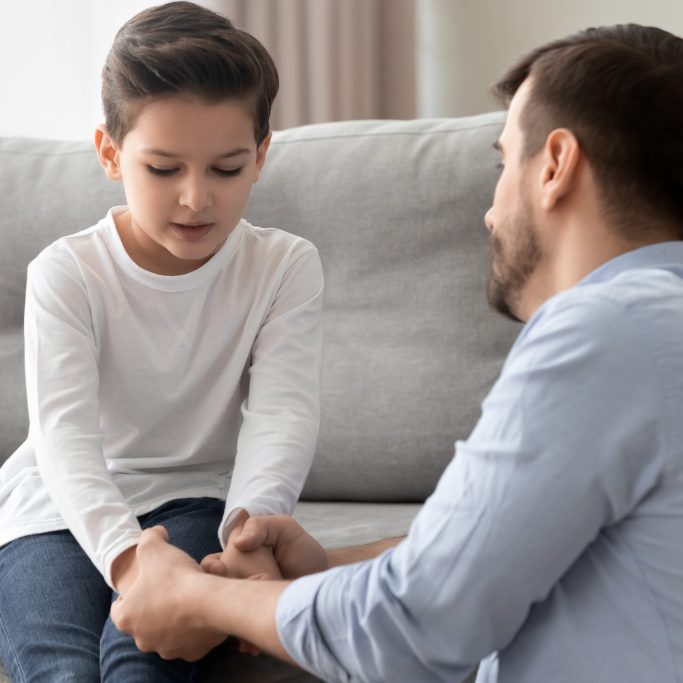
(107, 153)
(261, 152)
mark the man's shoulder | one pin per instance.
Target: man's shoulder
(624, 306)
(578, 313)
(625, 332)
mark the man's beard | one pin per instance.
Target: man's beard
(512, 265)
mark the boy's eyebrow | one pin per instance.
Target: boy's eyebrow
(171, 155)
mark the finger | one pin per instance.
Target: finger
(261, 576)
(154, 535)
(258, 531)
(209, 560)
(215, 567)
(116, 608)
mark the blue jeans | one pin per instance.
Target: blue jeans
(54, 605)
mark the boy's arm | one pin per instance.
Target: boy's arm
(62, 382)
(280, 416)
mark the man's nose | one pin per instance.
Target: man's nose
(488, 219)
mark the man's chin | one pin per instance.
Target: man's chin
(499, 300)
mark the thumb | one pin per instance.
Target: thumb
(153, 535)
(116, 608)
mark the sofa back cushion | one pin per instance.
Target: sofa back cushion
(396, 209)
(47, 189)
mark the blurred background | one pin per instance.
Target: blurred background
(338, 59)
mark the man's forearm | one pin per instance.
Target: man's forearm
(243, 608)
(247, 609)
(360, 553)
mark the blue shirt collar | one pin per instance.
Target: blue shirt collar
(667, 255)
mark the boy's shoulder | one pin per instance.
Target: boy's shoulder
(275, 241)
(67, 251)
(275, 237)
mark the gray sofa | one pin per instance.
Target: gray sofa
(396, 209)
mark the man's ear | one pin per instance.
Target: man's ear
(261, 152)
(561, 155)
(107, 153)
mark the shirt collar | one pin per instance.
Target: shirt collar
(668, 255)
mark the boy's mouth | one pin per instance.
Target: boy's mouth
(192, 231)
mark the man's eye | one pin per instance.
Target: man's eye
(154, 170)
(227, 172)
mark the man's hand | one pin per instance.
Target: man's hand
(296, 552)
(159, 609)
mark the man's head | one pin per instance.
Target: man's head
(182, 49)
(609, 100)
(620, 90)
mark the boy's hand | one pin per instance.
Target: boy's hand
(235, 564)
(296, 552)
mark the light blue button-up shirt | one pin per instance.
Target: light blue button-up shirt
(552, 548)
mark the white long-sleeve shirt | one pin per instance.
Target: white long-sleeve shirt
(143, 388)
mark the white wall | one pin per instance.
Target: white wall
(49, 89)
(51, 57)
(52, 52)
(464, 45)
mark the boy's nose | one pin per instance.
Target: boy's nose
(196, 195)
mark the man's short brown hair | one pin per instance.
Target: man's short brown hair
(181, 48)
(620, 90)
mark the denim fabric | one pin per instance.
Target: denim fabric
(54, 605)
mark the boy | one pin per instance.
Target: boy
(172, 354)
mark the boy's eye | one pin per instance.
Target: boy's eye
(222, 172)
(161, 171)
(227, 172)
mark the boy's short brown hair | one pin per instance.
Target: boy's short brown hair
(185, 49)
(620, 90)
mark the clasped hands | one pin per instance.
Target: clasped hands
(181, 609)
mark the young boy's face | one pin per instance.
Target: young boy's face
(187, 168)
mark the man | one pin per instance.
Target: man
(552, 548)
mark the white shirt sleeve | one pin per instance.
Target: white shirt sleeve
(62, 390)
(281, 415)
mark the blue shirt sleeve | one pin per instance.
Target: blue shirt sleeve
(561, 451)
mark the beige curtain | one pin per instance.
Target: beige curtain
(338, 59)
